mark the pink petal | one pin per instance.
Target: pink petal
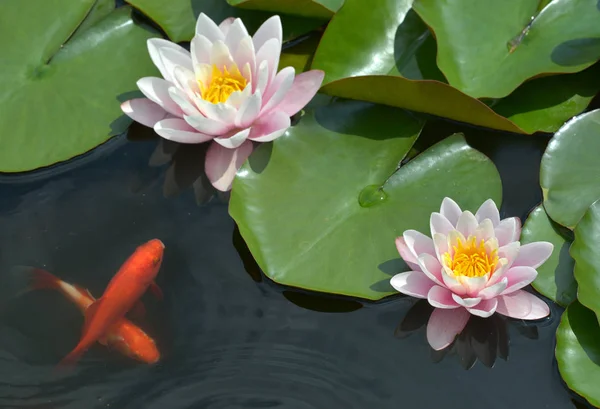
(467, 223)
(262, 77)
(450, 210)
(438, 224)
(485, 308)
(234, 140)
(534, 254)
(466, 302)
(249, 111)
(453, 284)
(207, 28)
(245, 54)
(225, 24)
(172, 58)
(222, 164)
(278, 89)
(413, 283)
(539, 309)
(508, 230)
(181, 99)
(406, 254)
(175, 129)
(488, 210)
(221, 112)
(510, 252)
(237, 31)
(474, 285)
(207, 125)
(418, 243)
(445, 325)
(185, 80)
(515, 305)
(441, 297)
(484, 231)
(157, 90)
(519, 277)
(220, 55)
(303, 89)
(200, 48)
(431, 267)
(270, 126)
(144, 111)
(154, 47)
(493, 290)
(440, 243)
(270, 29)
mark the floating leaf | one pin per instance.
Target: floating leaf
(300, 55)
(497, 45)
(321, 206)
(69, 85)
(578, 351)
(323, 9)
(586, 253)
(570, 167)
(555, 277)
(545, 104)
(178, 17)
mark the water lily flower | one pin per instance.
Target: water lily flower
(473, 264)
(226, 90)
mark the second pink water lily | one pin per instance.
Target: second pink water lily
(471, 264)
(226, 90)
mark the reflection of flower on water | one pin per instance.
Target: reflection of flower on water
(483, 339)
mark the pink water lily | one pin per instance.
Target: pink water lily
(472, 264)
(226, 90)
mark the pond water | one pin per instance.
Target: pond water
(229, 337)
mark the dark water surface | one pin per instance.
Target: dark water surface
(229, 341)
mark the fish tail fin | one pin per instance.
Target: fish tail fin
(71, 359)
(41, 279)
(23, 279)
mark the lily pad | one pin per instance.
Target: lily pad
(578, 352)
(178, 17)
(321, 206)
(586, 253)
(323, 9)
(69, 83)
(300, 55)
(555, 277)
(545, 104)
(497, 45)
(570, 168)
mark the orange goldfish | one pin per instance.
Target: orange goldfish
(132, 280)
(124, 336)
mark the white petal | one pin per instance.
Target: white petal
(207, 125)
(144, 111)
(157, 90)
(237, 31)
(450, 210)
(200, 48)
(172, 58)
(488, 210)
(185, 80)
(440, 243)
(249, 111)
(439, 224)
(220, 56)
(245, 54)
(278, 89)
(178, 130)
(234, 140)
(413, 283)
(225, 24)
(466, 302)
(270, 52)
(182, 100)
(493, 290)
(508, 230)
(207, 28)
(485, 308)
(268, 30)
(262, 77)
(154, 45)
(221, 112)
(467, 223)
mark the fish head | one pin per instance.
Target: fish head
(130, 340)
(148, 258)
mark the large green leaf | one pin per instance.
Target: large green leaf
(586, 253)
(60, 93)
(488, 48)
(545, 104)
(570, 168)
(323, 9)
(578, 352)
(300, 55)
(320, 207)
(555, 277)
(178, 17)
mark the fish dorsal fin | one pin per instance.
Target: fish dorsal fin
(89, 314)
(155, 290)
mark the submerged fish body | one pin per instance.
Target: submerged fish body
(124, 336)
(132, 280)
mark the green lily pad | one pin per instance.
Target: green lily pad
(178, 17)
(321, 206)
(545, 104)
(570, 167)
(578, 352)
(300, 55)
(60, 93)
(496, 46)
(323, 9)
(555, 277)
(586, 253)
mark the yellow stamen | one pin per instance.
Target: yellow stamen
(222, 84)
(470, 259)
